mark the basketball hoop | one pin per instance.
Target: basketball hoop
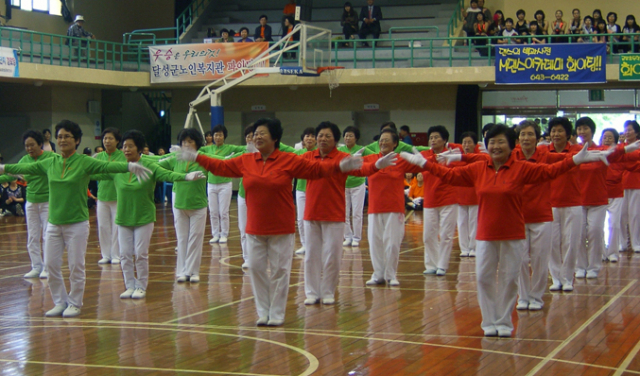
(334, 74)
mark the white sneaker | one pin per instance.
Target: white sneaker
(592, 274)
(56, 311)
(441, 272)
(34, 273)
(374, 282)
(223, 239)
(139, 294)
(262, 321)
(194, 279)
(464, 254)
(104, 261)
(182, 278)
(472, 253)
(127, 294)
(567, 287)
(522, 306)
(311, 301)
(535, 306)
(430, 271)
(355, 244)
(274, 322)
(300, 251)
(504, 333)
(214, 240)
(346, 243)
(245, 265)
(115, 260)
(44, 274)
(613, 258)
(581, 273)
(328, 301)
(71, 311)
(555, 287)
(394, 282)
(490, 333)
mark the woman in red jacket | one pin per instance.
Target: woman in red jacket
(499, 185)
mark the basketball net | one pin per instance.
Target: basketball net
(333, 77)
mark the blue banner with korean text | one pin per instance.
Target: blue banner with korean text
(551, 63)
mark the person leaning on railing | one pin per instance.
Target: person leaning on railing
(77, 30)
(535, 34)
(630, 27)
(587, 28)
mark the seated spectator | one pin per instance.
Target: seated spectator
(536, 34)
(349, 23)
(509, 31)
(98, 149)
(485, 11)
(521, 26)
(587, 29)
(495, 29)
(559, 27)
(613, 28)
(405, 135)
(12, 200)
(601, 33)
(469, 18)
(370, 16)
(480, 29)
(542, 23)
(630, 27)
(576, 24)
(77, 30)
(409, 180)
(224, 37)
(244, 36)
(211, 33)
(263, 32)
(289, 11)
(597, 16)
(161, 151)
(416, 194)
(146, 151)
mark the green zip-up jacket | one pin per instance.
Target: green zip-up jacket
(355, 181)
(135, 199)
(68, 182)
(106, 189)
(37, 185)
(221, 151)
(190, 195)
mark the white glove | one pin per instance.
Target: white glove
(350, 163)
(141, 172)
(251, 147)
(173, 148)
(415, 159)
(448, 157)
(1, 169)
(483, 149)
(632, 147)
(195, 175)
(359, 152)
(186, 154)
(585, 156)
(544, 143)
(386, 161)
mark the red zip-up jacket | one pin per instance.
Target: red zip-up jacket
(436, 192)
(386, 187)
(565, 189)
(500, 193)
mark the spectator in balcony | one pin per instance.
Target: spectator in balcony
(521, 26)
(370, 16)
(263, 32)
(480, 29)
(542, 24)
(289, 11)
(405, 135)
(559, 27)
(495, 29)
(77, 30)
(587, 28)
(224, 38)
(349, 22)
(597, 16)
(485, 11)
(630, 27)
(469, 18)
(48, 145)
(576, 23)
(509, 31)
(613, 28)
(536, 34)
(244, 36)
(601, 33)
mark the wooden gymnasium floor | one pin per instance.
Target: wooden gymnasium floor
(428, 325)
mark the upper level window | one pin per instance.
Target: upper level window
(53, 7)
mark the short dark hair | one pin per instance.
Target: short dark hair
(405, 128)
(72, 128)
(329, 125)
(274, 126)
(539, 12)
(96, 148)
(114, 131)
(352, 129)
(473, 136)
(307, 131)
(474, 1)
(193, 134)
(388, 124)
(486, 128)
(263, 16)
(534, 22)
(588, 18)
(86, 151)
(528, 123)
(564, 122)
(499, 129)
(616, 135)
(394, 134)
(244, 28)
(520, 11)
(614, 14)
(36, 135)
(45, 131)
(597, 11)
(508, 20)
(248, 129)
(208, 133)
(224, 31)
(137, 137)
(444, 133)
(588, 122)
(634, 124)
(219, 128)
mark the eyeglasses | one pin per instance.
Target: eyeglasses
(63, 137)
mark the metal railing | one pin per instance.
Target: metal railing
(189, 15)
(455, 18)
(149, 37)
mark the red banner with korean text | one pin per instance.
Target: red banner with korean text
(201, 62)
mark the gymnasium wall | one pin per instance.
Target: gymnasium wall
(549, 7)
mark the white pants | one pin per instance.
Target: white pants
(107, 229)
(242, 226)
(354, 198)
(322, 258)
(566, 235)
(439, 228)
(501, 261)
(592, 244)
(632, 198)
(190, 233)
(467, 227)
(74, 238)
(614, 211)
(385, 231)
(135, 241)
(537, 250)
(219, 196)
(301, 199)
(270, 290)
(37, 220)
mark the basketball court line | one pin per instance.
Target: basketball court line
(623, 367)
